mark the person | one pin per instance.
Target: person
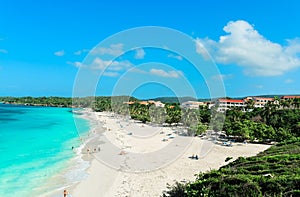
(65, 193)
(196, 157)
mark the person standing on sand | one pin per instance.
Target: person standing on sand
(65, 193)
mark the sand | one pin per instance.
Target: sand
(137, 159)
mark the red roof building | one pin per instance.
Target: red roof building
(289, 97)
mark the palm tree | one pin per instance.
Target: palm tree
(157, 114)
(269, 108)
(296, 103)
(190, 117)
(249, 104)
(276, 102)
(284, 104)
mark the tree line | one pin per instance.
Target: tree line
(276, 121)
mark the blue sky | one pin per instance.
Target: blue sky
(255, 46)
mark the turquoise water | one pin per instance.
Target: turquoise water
(35, 146)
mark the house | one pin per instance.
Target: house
(192, 104)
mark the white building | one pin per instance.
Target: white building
(225, 104)
(192, 104)
(261, 101)
(156, 103)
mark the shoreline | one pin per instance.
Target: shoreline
(80, 163)
(113, 178)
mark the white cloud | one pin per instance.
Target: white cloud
(110, 68)
(79, 52)
(3, 51)
(140, 53)
(244, 46)
(101, 64)
(168, 74)
(201, 49)
(113, 49)
(222, 77)
(76, 64)
(137, 70)
(289, 81)
(178, 57)
(60, 53)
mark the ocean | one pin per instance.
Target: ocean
(36, 149)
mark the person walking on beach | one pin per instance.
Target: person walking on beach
(65, 193)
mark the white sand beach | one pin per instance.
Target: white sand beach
(136, 159)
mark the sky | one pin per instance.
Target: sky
(149, 49)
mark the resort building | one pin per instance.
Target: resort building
(192, 104)
(259, 101)
(222, 104)
(225, 104)
(156, 103)
(289, 97)
(129, 102)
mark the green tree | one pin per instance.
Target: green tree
(173, 113)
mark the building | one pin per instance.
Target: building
(156, 103)
(289, 97)
(192, 104)
(129, 102)
(225, 104)
(259, 101)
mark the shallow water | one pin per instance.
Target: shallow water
(36, 146)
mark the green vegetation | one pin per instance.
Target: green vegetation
(278, 120)
(39, 101)
(274, 172)
(174, 99)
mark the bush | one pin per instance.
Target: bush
(176, 190)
